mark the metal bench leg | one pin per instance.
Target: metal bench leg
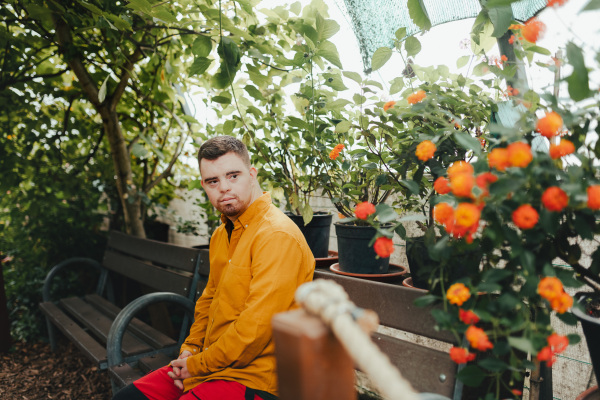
(51, 334)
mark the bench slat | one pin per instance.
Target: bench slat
(411, 359)
(159, 252)
(157, 278)
(84, 342)
(99, 324)
(394, 304)
(124, 374)
(142, 330)
(154, 362)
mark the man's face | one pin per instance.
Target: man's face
(229, 184)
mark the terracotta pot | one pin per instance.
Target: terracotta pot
(592, 393)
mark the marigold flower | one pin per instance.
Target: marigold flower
(468, 317)
(425, 150)
(498, 158)
(550, 287)
(443, 212)
(546, 354)
(533, 30)
(549, 125)
(441, 185)
(565, 147)
(593, 201)
(519, 154)
(459, 167)
(389, 105)
(364, 209)
(478, 338)
(458, 294)
(561, 303)
(555, 199)
(467, 215)
(416, 97)
(461, 355)
(336, 151)
(525, 217)
(462, 184)
(384, 247)
(558, 343)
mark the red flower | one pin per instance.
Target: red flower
(519, 154)
(593, 201)
(512, 39)
(565, 147)
(546, 354)
(462, 184)
(550, 287)
(517, 392)
(478, 338)
(425, 150)
(533, 30)
(336, 151)
(443, 213)
(484, 179)
(561, 303)
(525, 217)
(555, 3)
(364, 209)
(458, 293)
(461, 355)
(384, 247)
(388, 105)
(498, 158)
(555, 199)
(460, 167)
(549, 125)
(441, 185)
(468, 317)
(558, 343)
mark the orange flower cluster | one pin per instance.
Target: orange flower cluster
(389, 105)
(461, 178)
(483, 181)
(478, 338)
(461, 355)
(364, 209)
(441, 185)
(425, 150)
(512, 39)
(556, 344)
(458, 293)
(555, 199)
(416, 97)
(384, 247)
(443, 213)
(510, 91)
(565, 147)
(533, 30)
(336, 151)
(468, 317)
(462, 222)
(549, 125)
(525, 217)
(551, 289)
(517, 154)
(593, 201)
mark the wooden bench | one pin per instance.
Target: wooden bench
(114, 338)
(313, 366)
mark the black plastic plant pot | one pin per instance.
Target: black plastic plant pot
(591, 328)
(316, 232)
(354, 253)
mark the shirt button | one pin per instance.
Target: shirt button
(246, 226)
(229, 260)
(206, 348)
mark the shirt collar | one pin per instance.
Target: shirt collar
(257, 207)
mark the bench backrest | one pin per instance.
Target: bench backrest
(428, 369)
(162, 266)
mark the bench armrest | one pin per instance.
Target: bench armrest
(73, 262)
(119, 325)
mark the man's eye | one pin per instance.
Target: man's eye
(234, 176)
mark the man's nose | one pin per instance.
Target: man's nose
(225, 185)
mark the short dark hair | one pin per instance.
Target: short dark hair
(220, 145)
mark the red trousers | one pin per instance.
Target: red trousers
(157, 385)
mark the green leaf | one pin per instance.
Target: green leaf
(410, 185)
(501, 19)
(254, 92)
(202, 46)
(307, 213)
(140, 5)
(200, 65)
(189, 118)
(334, 81)
(573, 338)
(493, 364)
(521, 343)
(579, 87)
(355, 76)
(385, 213)
(425, 300)
(380, 57)
(418, 15)
(471, 375)
(396, 85)
(567, 318)
(195, 184)
(221, 99)
(326, 28)
(400, 33)
(412, 45)
(328, 51)
(539, 50)
(462, 61)
(139, 150)
(343, 127)
(592, 5)
(164, 14)
(468, 142)
(102, 91)
(358, 99)
(228, 126)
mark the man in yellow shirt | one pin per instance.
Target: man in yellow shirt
(258, 258)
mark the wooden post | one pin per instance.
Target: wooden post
(311, 363)
(5, 339)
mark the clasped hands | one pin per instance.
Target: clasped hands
(180, 371)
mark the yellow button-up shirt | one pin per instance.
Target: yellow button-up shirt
(253, 275)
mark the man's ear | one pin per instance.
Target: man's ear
(253, 172)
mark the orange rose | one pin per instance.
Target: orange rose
(458, 294)
(460, 355)
(525, 217)
(388, 105)
(550, 287)
(460, 167)
(498, 158)
(364, 209)
(555, 199)
(443, 212)
(468, 317)
(384, 247)
(593, 194)
(462, 184)
(425, 150)
(416, 97)
(478, 338)
(561, 303)
(565, 147)
(533, 30)
(441, 185)
(549, 125)
(467, 215)
(519, 154)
